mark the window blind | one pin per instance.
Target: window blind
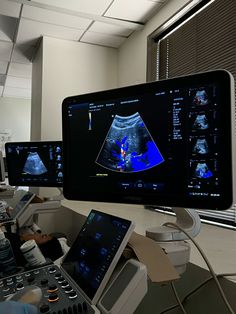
(204, 41)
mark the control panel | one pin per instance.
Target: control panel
(59, 294)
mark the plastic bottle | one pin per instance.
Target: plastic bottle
(8, 264)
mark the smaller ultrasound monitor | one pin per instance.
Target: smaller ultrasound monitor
(35, 163)
(96, 251)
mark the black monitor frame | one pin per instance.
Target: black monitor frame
(83, 189)
(15, 175)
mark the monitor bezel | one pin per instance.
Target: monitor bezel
(219, 77)
(12, 180)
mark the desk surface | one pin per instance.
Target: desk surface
(205, 300)
(217, 243)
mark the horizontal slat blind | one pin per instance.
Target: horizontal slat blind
(207, 41)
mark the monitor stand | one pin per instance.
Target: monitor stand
(173, 241)
(40, 205)
(58, 197)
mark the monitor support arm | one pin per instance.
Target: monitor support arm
(173, 241)
(187, 218)
(58, 197)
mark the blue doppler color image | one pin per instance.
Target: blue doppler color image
(128, 146)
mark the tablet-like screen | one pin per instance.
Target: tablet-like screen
(95, 253)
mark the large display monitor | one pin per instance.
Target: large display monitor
(166, 143)
(35, 163)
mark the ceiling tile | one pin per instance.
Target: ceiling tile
(20, 70)
(5, 50)
(19, 82)
(88, 6)
(102, 39)
(52, 17)
(30, 31)
(105, 28)
(3, 67)
(16, 92)
(10, 8)
(8, 26)
(23, 53)
(137, 10)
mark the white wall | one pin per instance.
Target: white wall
(15, 116)
(36, 97)
(70, 68)
(132, 55)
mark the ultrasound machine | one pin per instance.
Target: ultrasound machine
(32, 164)
(169, 144)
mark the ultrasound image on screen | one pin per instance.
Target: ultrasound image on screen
(201, 147)
(128, 146)
(202, 171)
(201, 122)
(34, 164)
(201, 98)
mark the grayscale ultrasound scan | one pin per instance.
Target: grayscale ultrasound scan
(34, 164)
(128, 146)
(200, 122)
(201, 147)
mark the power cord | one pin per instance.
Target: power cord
(196, 289)
(214, 276)
(177, 298)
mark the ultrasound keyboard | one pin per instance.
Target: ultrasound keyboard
(59, 294)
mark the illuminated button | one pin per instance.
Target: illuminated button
(60, 279)
(44, 308)
(52, 270)
(72, 295)
(53, 297)
(64, 284)
(36, 272)
(19, 278)
(68, 289)
(5, 289)
(19, 286)
(27, 274)
(10, 282)
(52, 288)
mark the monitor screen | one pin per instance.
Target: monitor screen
(96, 251)
(34, 163)
(2, 168)
(166, 143)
